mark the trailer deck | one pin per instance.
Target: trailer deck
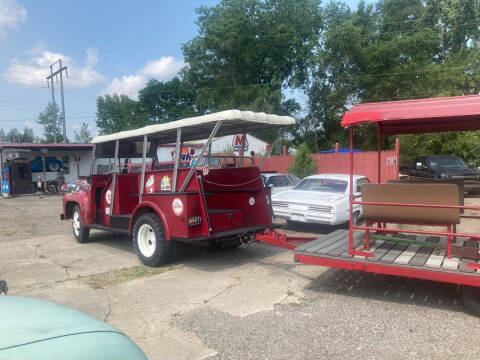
(392, 257)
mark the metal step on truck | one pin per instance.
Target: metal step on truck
(410, 227)
(159, 206)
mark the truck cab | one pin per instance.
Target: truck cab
(158, 206)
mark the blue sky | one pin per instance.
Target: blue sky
(108, 46)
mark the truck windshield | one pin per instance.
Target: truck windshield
(323, 185)
(446, 162)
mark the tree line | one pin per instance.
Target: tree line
(313, 61)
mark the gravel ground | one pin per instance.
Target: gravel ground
(347, 315)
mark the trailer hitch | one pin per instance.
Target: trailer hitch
(278, 238)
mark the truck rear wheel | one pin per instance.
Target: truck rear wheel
(471, 298)
(149, 240)
(80, 232)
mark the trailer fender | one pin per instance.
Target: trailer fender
(144, 207)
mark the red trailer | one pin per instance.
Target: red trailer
(429, 247)
(159, 205)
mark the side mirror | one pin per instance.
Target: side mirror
(252, 153)
(271, 185)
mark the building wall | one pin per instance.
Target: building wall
(76, 168)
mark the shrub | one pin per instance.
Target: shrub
(303, 165)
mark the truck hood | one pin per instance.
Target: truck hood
(307, 197)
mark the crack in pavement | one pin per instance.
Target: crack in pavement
(108, 312)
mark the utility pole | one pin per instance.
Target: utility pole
(53, 104)
(52, 74)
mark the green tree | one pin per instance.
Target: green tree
(303, 165)
(118, 112)
(83, 135)
(3, 137)
(27, 136)
(167, 101)
(49, 119)
(246, 50)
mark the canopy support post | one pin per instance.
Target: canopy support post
(177, 159)
(269, 151)
(200, 157)
(242, 149)
(92, 166)
(379, 154)
(142, 176)
(114, 178)
(350, 212)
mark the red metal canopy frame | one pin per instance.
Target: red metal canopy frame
(454, 113)
(457, 113)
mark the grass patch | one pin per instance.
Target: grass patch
(290, 293)
(99, 281)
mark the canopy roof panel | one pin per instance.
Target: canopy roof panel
(454, 113)
(200, 127)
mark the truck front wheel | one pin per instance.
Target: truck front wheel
(149, 240)
(80, 232)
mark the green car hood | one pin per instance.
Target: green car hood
(37, 329)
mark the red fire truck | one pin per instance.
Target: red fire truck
(160, 206)
(427, 245)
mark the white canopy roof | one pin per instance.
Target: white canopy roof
(200, 127)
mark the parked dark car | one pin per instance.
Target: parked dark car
(440, 167)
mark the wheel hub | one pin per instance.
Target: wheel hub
(146, 240)
(76, 223)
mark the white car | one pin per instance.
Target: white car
(321, 199)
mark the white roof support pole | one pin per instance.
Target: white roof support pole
(200, 157)
(177, 159)
(269, 151)
(241, 153)
(92, 169)
(114, 179)
(142, 176)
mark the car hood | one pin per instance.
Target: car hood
(307, 197)
(27, 321)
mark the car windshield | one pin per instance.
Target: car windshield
(213, 161)
(278, 181)
(322, 185)
(446, 162)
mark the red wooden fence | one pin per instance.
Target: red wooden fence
(364, 163)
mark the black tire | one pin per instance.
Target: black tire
(471, 299)
(356, 218)
(155, 251)
(81, 233)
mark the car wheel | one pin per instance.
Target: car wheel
(80, 232)
(471, 299)
(149, 240)
(53, 166)
(355, 218)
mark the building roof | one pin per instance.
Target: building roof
(47, 146)
(200, 127)
(453, 113)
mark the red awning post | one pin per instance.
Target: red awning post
(397, 155)
(351, 198)
(379, 154)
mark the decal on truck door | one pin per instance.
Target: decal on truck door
(149, 184)
(166, 184)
